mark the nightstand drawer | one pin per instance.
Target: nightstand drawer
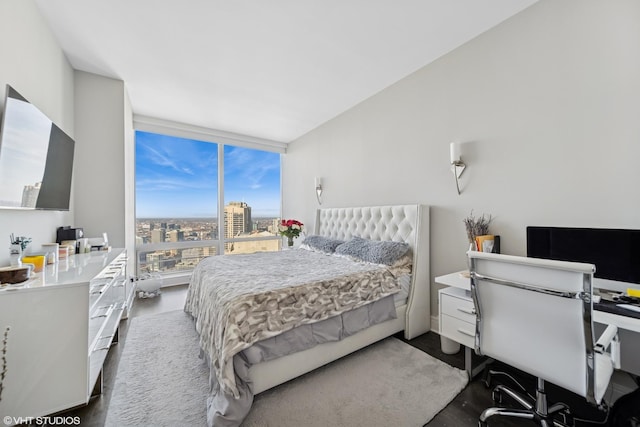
(458, 330)
(460, 308)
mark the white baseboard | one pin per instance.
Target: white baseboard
(435, 324)
(177, 279)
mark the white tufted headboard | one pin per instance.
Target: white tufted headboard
(398, 223)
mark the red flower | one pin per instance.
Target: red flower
(290, 227)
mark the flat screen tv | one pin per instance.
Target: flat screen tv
(614, 252)
(36, 158)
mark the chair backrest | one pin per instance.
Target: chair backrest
(535, 315)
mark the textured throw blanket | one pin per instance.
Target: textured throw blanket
(237, 300)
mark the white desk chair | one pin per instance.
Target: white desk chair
(535, 315)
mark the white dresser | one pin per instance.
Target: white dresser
(63, 322)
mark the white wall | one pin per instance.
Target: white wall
(102, 110)
(33, 64)
(548, 105)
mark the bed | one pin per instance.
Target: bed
(239, 367)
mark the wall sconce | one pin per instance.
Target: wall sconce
(457, 165)
(319, 190)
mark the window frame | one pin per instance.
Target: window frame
(180, 130)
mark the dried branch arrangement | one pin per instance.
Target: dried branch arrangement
(3, 372)
(476, 226)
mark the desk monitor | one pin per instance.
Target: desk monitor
(615, 252)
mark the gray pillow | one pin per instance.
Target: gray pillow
(321, 244)
(374, 251)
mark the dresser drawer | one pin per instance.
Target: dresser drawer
(460, 308)
(458, 330)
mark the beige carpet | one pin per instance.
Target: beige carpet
(162, 382)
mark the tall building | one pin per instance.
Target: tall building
(158, 235)
(176, 235)
(237, 219)
(30, 195)
(273, 228)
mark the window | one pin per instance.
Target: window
(178, 198)
(251, 200)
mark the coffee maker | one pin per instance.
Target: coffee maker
(68, 233)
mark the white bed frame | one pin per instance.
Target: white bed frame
(402, 223)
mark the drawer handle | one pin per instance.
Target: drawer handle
(468, 311)
(100, 315)
(107, 313)
(107, 345)
(467, 333)
(106, 309)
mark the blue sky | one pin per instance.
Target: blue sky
(178, 178)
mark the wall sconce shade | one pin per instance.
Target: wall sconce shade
(318, 185)
(457, 165)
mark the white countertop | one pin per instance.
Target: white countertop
(73, 270)
(459, 279)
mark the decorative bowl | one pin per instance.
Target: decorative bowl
(15, 274)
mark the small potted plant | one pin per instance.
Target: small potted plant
(17, 248)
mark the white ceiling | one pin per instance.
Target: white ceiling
(268, 69)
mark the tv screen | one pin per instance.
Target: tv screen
(36, 158)
(614, 252)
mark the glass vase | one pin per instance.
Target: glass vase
(15, 254)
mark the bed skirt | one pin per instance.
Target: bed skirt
(225, 410)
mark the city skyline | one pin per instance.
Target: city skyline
(238, 224)
(178, 178)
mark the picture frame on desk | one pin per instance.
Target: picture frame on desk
(488, 243)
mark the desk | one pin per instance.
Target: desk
(625, 322)
(455, 308)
